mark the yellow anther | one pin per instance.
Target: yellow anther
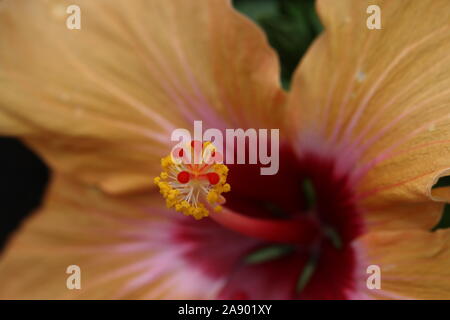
(164, 175)
(212, 196)
(190, 194)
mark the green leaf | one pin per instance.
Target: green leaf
(290, 26)
(256, 9)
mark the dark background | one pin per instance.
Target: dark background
(290, 25)
(23, 177)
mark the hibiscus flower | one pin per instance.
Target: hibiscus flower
(365, 134)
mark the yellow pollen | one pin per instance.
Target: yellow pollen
(190, 194)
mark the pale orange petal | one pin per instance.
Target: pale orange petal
(414, 264)
(441, 194)
(122, 245)
(379, 100)
(423, 215)
(102, 101)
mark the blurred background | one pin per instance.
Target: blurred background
(290, 26)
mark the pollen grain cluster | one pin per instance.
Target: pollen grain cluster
(191, 188)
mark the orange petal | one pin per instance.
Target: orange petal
(414, 264)
(415, 215)
(441, 194)
(379, 100)
(101, 102)
(122, 246)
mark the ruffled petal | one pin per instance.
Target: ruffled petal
(413, 264)
(441, 194)
(101, 102)
(415, 215)
(377, 101)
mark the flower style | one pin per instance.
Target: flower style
(365, 134)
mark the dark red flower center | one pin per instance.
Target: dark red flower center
(287, 236)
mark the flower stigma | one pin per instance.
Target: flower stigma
(193, 179)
